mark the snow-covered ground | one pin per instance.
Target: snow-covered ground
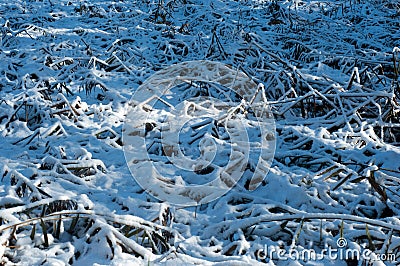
(69, 69)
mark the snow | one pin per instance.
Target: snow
(294, 142)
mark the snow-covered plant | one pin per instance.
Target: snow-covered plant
(330, 70)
